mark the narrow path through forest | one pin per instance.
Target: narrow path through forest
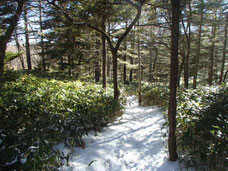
(133, 142)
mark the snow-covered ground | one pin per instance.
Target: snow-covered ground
(133, 142)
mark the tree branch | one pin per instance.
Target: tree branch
(66, 14)
(139, 10)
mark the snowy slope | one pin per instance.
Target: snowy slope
(134, 142)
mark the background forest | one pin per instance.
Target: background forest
(69, 66)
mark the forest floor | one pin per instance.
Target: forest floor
(133, 142)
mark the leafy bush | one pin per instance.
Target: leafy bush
(36, 113)
(202, 127)
(129, 88)
(155, 94)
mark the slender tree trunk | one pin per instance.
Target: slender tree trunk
(186, 67)
(125, 59)
(211, 60)
(108, 66)
(173, 80)
(42, 37)
(155, 60)
(97, 71)
(19, 50)
(198, 52)
(139, 69)
(132, 59)
(69, 65)
(6, 37)
(180, 70)
(27, 45)
(124, 67)
(115, 74)
(150, 66)
(224, 79)
(103, 27)
(108, 58)
(61, 63)
(224, 52)
(2, 57)
(131, 71)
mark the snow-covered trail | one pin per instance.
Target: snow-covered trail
(133, 142)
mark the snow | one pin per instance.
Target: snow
(133, 142)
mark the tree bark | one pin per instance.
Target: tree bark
(115, 74)
(41, 36)
(124, 67)
(125, 59)
(180, 70)
(224, 52)
(173, 80)
(6, 37)
(186, 67)
(19, 50)
(150, 66)
(103, 27)
(224, 79)
(27, 45)
(198, 51)
(211, 60)
(139, 69)
(97, 71)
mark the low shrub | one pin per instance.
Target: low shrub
(36, 113)
(202, 128)
(155, 94)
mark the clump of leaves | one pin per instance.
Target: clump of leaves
(37, 113)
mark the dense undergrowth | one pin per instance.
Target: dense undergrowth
(37, 112)
(202, 124)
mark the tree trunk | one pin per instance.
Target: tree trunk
(211, 60)
(69, 66)
(139, 69)
(103, 27)
(173, 80)
(97, 71)
(186, 68)
(150, 67)
(182, 53)
(115, 74)
(61, 63)
(19, 50)
(124, 67)
(2, 56)
(198, 51)
(42, 37)
(224, 79)
(131, 70)
(108, 66)
(6, 37)
(125, 59)
(224, 52)
(155, 61)
(27, 45)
